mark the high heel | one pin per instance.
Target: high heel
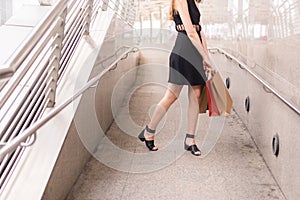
(192, 148)
(149, 143)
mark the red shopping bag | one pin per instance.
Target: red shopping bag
(218, 98)
(212, 105)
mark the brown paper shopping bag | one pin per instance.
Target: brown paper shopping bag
(203, 107)
(219, 99)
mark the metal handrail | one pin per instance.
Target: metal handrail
(73, 33)
(33, 72)
(113, 55)
(15, 60)
(37, 66)
(264, 83)
(15, 143)
(14, 81)
(8, 89)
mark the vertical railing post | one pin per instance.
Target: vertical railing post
(89, 17)
(57, 46)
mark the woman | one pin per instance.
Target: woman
(188, 62)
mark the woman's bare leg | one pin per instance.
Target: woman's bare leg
(193, 111)
(162, 107)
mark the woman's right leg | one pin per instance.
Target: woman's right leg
(162, 107)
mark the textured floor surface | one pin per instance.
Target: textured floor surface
(234, 169)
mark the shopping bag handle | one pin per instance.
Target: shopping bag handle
(210, 73)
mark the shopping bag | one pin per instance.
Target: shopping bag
(211, 102)
(203, 107)
(219, 99)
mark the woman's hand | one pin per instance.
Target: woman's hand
(206, 64)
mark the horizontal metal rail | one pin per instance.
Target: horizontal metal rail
(12, 64)
(264, 83)
(15, 80)
(29, 77)
(18, 140)
(75, 28)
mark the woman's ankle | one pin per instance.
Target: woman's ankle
(149, 132)
(190, 139)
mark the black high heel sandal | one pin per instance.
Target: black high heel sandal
(192, 148)
(149, 143)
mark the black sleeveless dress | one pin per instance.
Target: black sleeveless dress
(186, 66)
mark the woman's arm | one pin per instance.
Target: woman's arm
(182, 8)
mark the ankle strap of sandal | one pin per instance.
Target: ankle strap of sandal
(150, 130)
(190, 136)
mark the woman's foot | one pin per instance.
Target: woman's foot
(190, 145)
(147, 136)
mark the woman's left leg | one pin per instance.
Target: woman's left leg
(193, 112)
